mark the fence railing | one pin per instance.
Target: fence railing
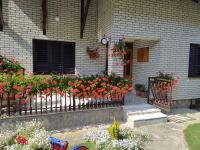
(160, 93)
(39, 104)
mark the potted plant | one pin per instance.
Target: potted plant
(141, 90)
(93, 54)
(138, 88)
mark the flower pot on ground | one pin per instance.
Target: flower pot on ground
(144, 94)
(141, 90)
(138, 93)
(138, 88)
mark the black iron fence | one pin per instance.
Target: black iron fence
(39, 104)
(160, 93)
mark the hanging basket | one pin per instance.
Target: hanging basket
(93, 54)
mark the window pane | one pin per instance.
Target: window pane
(53, 57)
(194, 61)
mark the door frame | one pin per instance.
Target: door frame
(129, 50)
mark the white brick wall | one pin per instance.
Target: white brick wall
(23, 23)
(176, 23)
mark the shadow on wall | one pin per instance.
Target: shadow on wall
(23, 22)
(17, 27)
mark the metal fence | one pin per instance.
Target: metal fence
(160, 93)
(39, 104)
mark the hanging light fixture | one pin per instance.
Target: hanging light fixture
(104, 40)
(57, 18)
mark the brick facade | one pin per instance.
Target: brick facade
(23, 23)
(175, 23)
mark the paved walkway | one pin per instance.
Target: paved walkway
(167, 136)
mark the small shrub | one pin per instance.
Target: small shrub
(114, 130)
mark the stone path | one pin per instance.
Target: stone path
(166, 136)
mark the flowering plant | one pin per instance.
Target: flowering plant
(20, 87)
(170, 80)
(129, 140)
(10, 66)
(94, 54)
(29, 135)
(119, 50)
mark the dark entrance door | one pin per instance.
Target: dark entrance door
(128, 69)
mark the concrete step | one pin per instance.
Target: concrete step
(143, 114)
(135, 110)
(140, 109)
(146, 119)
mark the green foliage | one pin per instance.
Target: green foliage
(114, 130)
(165, 76)
(192, 136)
(9, 66)
(140, 87)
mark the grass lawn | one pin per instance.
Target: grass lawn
(89, 145)
(192, 136)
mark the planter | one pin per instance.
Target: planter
(144, 94)
(138, 93)
(93, 54)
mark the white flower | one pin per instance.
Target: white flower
(129, 141)
(39, 139)
(98, 136)
(36, 135)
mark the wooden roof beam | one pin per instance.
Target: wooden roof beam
(1, 15)
(44, 16)
(84, 13)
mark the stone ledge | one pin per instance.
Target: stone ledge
(69, 119)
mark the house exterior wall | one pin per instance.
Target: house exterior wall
(176, 23)
(105, 25)
(23, 22)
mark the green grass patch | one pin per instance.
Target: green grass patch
(192, 136)
(89, 145)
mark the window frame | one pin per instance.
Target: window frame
(191, 61)
(49, 46)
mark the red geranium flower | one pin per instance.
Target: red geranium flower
(17, 96)
(70, 83)
(54, 82)
(21, 140)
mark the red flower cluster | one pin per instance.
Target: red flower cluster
(119, 50)
(21, 88)
(100, 87)
(21, 140)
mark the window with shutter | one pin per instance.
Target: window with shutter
(53, 57)
(194, 61)
(143, 54)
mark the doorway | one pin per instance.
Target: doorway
(128, 68)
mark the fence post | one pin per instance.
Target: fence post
(74, 103)
(20, 109)
(1, 99)
(148, 95)
(8, 103)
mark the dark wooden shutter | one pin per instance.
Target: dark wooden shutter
(194, 61)
(69, 58)
(53, 57)
(57, 62)
(40, 57)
